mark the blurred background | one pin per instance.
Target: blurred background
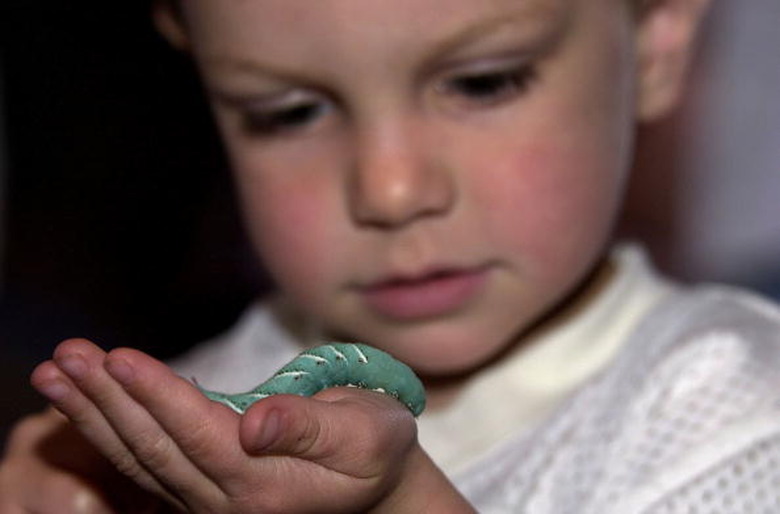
(116, 211)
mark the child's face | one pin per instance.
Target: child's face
(427, 176)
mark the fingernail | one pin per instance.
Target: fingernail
(74, 365)
(55, 390)
(270, 431)
(120, 370)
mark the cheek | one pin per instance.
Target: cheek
(552, 204)
(289, 223)
(558, 186)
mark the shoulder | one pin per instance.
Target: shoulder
(714, 309)
(705, 335)
(693, 397)
(704, 348)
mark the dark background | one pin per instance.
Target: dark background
(119, 218)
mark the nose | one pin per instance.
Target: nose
(397, 177)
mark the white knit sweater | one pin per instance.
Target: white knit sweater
(655, 399)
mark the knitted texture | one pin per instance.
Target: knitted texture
(687, 420)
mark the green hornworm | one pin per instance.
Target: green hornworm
(335, 365)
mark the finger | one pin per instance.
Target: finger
(199, 425)
(49, 379)
(65, 396)
(123, 430)
(347, 430)
(206, 431)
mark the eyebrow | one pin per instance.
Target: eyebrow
(545, 19)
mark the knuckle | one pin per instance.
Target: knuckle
(311, 435)
(198, 439)
(153, 449)
(147, 451)
(125, 463)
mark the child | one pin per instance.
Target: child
(439, 179)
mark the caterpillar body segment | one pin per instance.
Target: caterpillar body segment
(335, 365)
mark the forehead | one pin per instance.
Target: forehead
(230, 25)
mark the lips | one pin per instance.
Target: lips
(433, 294)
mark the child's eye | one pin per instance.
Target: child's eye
(275, 120)
(489, 87)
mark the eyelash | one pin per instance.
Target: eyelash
(276, 121)
(489, 88)
(480, 89)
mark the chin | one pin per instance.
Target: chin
(439, 352)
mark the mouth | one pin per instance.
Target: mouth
(429, 295)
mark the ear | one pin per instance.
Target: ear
(666, 38)
(169, 21)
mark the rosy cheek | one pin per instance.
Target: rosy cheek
(289, 224)
(548, 204)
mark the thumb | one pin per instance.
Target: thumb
(341, 428)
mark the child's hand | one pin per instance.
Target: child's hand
(345, 451)
(49, 468)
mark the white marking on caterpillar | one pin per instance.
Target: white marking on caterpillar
(239, 407)
(315, 358)
(361, 356)
(336, 352)
(297, 375)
